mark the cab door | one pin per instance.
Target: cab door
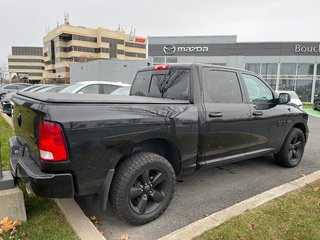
(226, 130)
(268, 119)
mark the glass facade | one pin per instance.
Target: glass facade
(317, 83)
(162, 60)
(268, 71)
(296, 77)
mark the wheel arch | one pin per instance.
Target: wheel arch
(160, 146)
(302, 127)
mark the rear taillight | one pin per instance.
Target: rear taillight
(52, 144)
(161, 67)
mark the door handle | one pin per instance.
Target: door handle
(257, 113)
(215, 114)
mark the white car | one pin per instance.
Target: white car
(95, 87)
(294, 98)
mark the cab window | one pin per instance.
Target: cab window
(173, 84)
(221, 86)
(258, 91)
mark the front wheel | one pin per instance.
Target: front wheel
(292, 149)
(142, 188)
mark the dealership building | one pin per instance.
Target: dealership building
(284, 65)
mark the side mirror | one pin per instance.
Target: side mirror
(284, 98)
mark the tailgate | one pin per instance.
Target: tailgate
(25, 119)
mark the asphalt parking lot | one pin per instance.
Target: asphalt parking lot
(208, 191)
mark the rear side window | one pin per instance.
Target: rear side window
(221, 86)
(11, 87)
(141, 83)
(172, 84)
(90, 89)
(108, 88)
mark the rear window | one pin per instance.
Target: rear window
(173, 84)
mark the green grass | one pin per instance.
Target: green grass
(5, 133)
(312, 112)
(45, 220)
(294, 216)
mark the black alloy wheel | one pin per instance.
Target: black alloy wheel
(292, 149)
(295, 149)
(148, 191)
(142, 187)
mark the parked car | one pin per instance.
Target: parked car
(178, 119)
(93, 87)
(294, 98)
(8, 105)
(12, 88)
(316, 102)
(122, 91)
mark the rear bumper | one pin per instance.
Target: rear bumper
(50, 185)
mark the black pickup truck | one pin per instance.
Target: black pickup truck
(129, 149)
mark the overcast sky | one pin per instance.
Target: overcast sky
(24, 23)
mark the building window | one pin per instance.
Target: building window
(25, 60)
(158, 60)
(84, 38)
(35, 74)
(304, 81)
(26, 67)
(120, 52)
(32, 51)
(253, 67)
(135, 45)
(85, 49)
(269, 73)
(132, 54)
(298, 78)
(112, 40)
(171, 59)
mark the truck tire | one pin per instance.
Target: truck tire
(142, 188)
(292, 149)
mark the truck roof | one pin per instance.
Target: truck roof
(198, 65)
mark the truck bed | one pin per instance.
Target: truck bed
(96, 98)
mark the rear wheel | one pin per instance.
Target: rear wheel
(142, 188)
(292, 149)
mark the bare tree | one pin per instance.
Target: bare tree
(4, 74)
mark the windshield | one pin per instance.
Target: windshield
(71, 88)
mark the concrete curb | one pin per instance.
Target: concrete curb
(195, 229)
(7, 119)
(12, 204)
(79, 222)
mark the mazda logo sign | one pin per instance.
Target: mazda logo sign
(169, 49)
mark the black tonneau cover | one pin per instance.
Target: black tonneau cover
(95, 98)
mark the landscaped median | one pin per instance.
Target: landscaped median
(312, 112)
(293, 216)
(45, 220)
